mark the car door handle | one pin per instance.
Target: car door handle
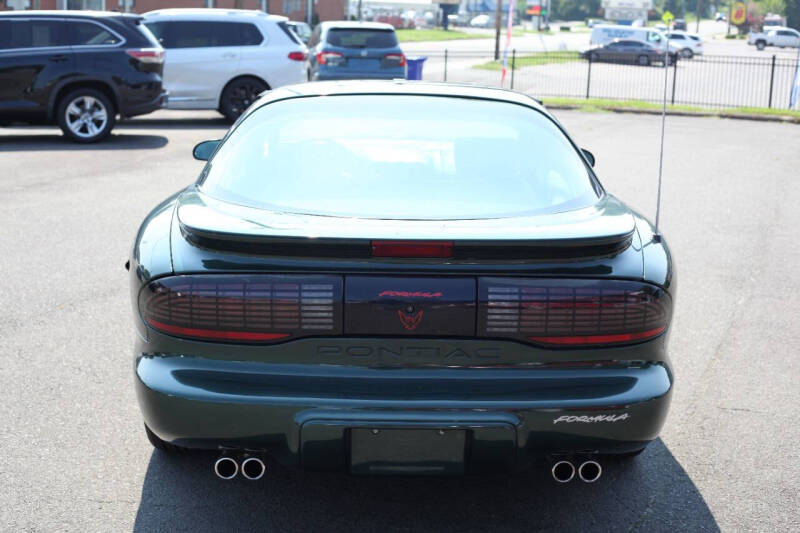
(229, 55)
(59, 58)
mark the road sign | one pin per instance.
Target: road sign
(667, 17)
(738, 13)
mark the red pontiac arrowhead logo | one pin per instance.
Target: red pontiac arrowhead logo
(410, 321)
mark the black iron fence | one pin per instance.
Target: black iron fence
(703, 81)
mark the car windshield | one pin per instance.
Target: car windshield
(361, 38)
(399, 157)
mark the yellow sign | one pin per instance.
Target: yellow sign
(667, 17)
(738, 13)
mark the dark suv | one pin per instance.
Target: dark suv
(78, 70)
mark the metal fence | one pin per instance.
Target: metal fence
(703, 81)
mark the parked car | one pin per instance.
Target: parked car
(79, 70)
(355, 50)
(679, 25)
(781, 36)
(482, 21)
(720, 17)
(301, 29)
(688, 44)
(413, 300)
(625, 51)
(224, 58)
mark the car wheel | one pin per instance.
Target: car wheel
(164, 446)
(86, 115)
(643, 60)
(687, 53)
(238, 95)
(761, 45)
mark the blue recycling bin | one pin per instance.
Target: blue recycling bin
(415, 67)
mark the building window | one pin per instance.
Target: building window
(95, 5)
(290, 6)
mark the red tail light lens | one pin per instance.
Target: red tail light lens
(325, 57)
(147, 55)
(571, 313)
(400, 59)
(298, 56)
(246, 308)
(414, 249)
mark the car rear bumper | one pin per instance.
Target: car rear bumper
(142, 108)
(306, 415)
(391, 74)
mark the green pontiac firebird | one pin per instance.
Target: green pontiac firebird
(400, 278)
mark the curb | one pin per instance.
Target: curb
(700, 114)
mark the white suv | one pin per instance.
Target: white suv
(224, 58)
(689, 44)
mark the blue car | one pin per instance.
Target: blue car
(342, 50)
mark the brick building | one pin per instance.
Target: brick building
(294, 9)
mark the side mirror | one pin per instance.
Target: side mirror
(586, 153)
(202, 151)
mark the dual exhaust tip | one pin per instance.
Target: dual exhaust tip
(252, 468)
(588, 471)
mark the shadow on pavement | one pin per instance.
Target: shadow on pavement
(49, 142)
(174, 123)
(649, 493)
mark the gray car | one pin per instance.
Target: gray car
(627, 51)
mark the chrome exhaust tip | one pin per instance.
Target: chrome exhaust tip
(253, 468)
(590, 471)
(563, 471)
(226, 467)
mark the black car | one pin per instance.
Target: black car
(78, 70)
(628, 51)
(372, 277)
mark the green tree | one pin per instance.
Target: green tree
(793, 13)
(773, 6)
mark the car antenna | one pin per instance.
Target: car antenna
(668, 19)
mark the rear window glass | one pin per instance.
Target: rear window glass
(400, 157)
(31, 34)
(358, 38)
(88, 34)
(203, 34)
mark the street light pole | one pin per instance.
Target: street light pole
(498, 19)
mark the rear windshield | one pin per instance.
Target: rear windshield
(361, 38)
(399, 157)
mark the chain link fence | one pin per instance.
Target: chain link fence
(703, 81)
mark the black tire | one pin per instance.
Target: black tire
(643, 60)
(79, 113)
(164, 446)
(238, 95)
(687, 53)
(761, 45)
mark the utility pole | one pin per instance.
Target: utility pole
(498, 21)
(699, 12)
(360, 16)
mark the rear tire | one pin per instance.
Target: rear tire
(643, 60)
(164, 446)
(761, 45)
(238, 95)
(687, 53)
(86, 115)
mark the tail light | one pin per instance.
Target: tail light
(570, 313)
(400, 59)
(298, 56)
(325, 57)
(244, 308)
(147, 55)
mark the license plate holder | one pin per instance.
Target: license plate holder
(402, 451)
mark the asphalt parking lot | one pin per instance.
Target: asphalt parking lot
(73, 455)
